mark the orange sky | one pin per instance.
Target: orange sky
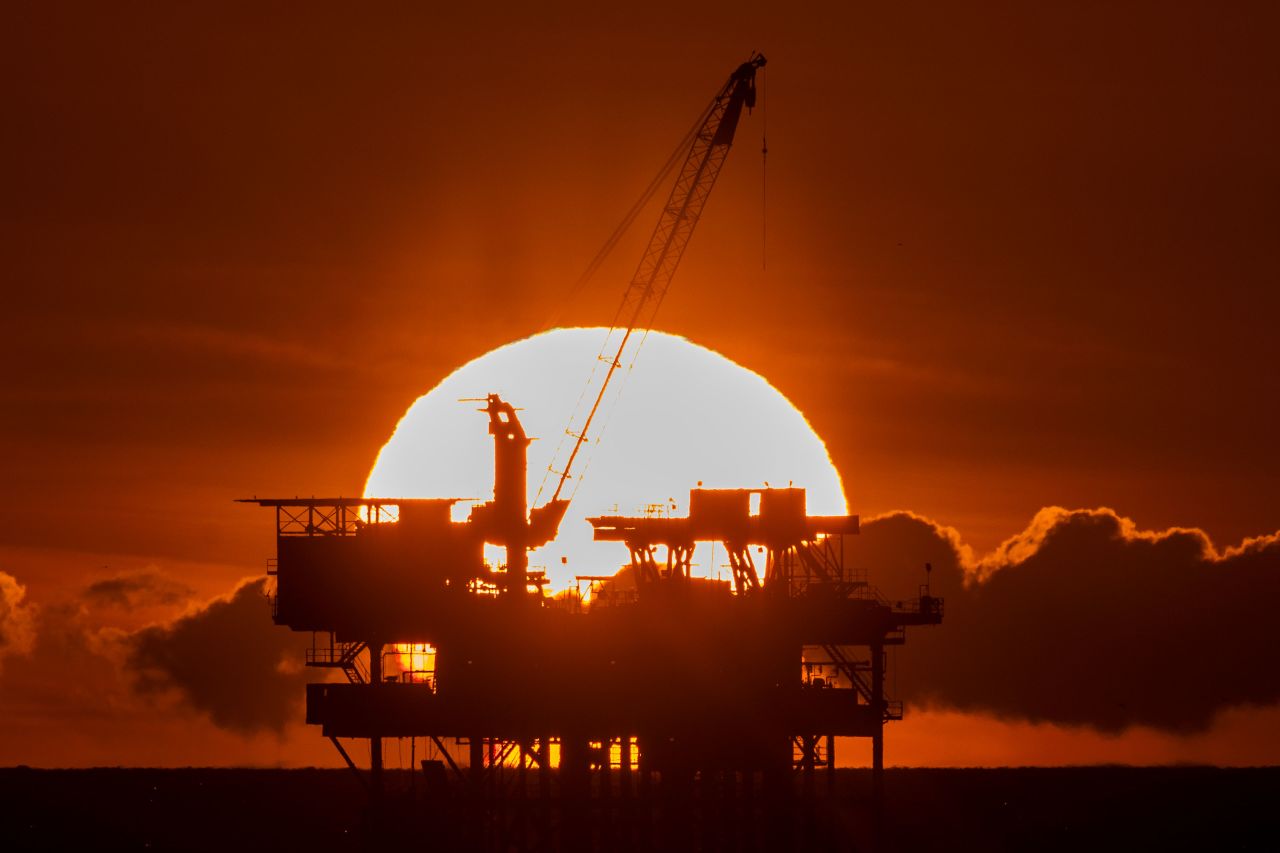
(1018, 256)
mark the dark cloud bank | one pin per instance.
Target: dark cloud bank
(137, 589)
(228, 660)
(1083, 619)
(17, 619)
(224, 658)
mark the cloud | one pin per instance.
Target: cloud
(1081, 619)
(223, 658)
(17, 618)
(226, 659)
(228, 343)
(137, 589)
(69, 674)
(1084, 619)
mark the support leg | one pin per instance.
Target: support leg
(375, 743)
(877, 747)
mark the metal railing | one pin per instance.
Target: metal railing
(337, 519)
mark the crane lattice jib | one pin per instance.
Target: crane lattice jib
(675, 226)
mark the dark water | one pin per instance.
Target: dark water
(1079, 809)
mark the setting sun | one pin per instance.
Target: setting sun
(684, 415)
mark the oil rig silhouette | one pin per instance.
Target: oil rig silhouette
(654, 710)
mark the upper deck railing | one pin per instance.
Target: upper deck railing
(338, 516)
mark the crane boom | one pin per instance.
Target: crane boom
(679, 216)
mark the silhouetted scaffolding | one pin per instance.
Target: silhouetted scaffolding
(652, 710)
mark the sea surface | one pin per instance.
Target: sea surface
(1079, 809)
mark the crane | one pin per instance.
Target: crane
(648, 287)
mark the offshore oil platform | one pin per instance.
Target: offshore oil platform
(653, 710)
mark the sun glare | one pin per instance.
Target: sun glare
(685, 415)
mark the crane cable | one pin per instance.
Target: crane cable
(637, 322)
(676, 157)
(628, 219)
(764, 167)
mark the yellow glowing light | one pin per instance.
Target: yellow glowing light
(413, 663)
(684, 415)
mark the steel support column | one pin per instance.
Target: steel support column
(375, 743)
